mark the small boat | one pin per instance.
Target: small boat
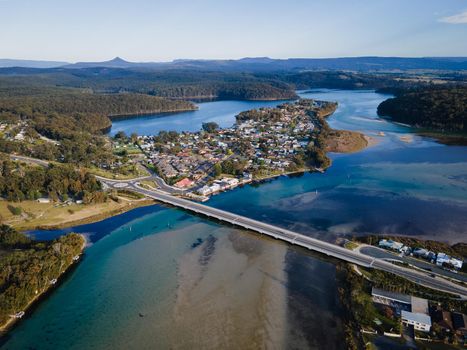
(53, 281)
(76, 257)
(18, 314)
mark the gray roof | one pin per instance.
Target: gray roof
(419, 305)
(401, 298)
(416, 317)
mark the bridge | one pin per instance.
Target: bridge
(300, 240)
(355, 257)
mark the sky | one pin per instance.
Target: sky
(156, 30)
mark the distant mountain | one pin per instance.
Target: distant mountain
(117, 62)
(266, 64)
(7, 63)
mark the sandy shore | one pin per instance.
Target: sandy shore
(231, 295)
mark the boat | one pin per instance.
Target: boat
(18, 314)
(53, 281)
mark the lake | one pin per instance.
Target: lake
(157, 277)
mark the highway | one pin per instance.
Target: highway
(301, 240)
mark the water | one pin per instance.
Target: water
(221, 112)
(144, 282)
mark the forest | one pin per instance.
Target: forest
(27, 267)
(440, 109)
(58, 182)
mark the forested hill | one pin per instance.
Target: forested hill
(57, 114)
(179, 84)
(442, 109)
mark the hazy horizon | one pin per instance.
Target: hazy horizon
(157, 31)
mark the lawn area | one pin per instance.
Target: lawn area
(48, 215)
(140, 171)
(351, 245)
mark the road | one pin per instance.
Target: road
(282, 234)
(298, 239)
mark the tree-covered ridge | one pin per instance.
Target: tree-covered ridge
(28, 267)
(179, 84)
(18, 182)
(73, 117)
(83, 111)
(443, 109)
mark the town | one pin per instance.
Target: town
(263, 143)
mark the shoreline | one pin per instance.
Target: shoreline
(86, 219)
(39, 297)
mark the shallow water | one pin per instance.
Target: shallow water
(146, 283)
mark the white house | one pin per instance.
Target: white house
(43, 200)
(420, 322)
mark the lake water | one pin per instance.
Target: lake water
(160, 278)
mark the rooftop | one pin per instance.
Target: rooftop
(416, 317)
(402, 298)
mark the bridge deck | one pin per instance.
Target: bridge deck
(306, 242)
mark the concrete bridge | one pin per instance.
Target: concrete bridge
(301, 240)
(332, 250)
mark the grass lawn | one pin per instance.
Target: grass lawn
(110, 175)
(48, 215)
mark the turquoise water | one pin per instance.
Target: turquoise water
(145, 281)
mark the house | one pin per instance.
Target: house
(443, 319)
(43, 200)
(390, 244)
(420, 322)
(459, 322)
(384, 297)
(456, 263)
(205, 190)
(442, 259)
(185, 183)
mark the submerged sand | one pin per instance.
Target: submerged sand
(231, 294)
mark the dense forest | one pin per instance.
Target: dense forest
(74, 118)
(18, 182)
(27, 267)
(199, 84)
(441, 109)
(178, 84)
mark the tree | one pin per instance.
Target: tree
(120, 135)
(217, 169)
(210, 127)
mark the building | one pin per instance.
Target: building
(413, 310)
(390, 298)
(443, 319)
(390, 244)
(43, 200)
(459, 322)
(443, 259)
(420, 322)
(185, 183)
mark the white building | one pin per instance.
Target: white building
(420, 322)
(442, 259)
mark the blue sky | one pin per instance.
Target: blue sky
(155, 30)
